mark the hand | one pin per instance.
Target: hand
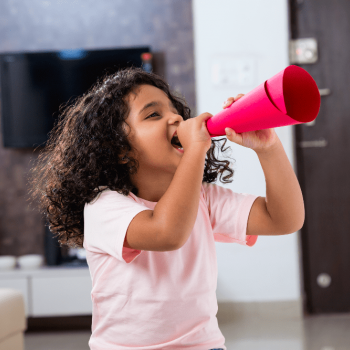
(194, 133)
(258, 140)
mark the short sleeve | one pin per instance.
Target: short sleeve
(106, 222)
(229, 212)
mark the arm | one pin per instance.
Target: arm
(282, 210)
(177, 210)
(169, 225)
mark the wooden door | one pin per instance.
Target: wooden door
(323, 156)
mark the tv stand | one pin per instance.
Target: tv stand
(52, 290)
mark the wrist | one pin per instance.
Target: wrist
(196, 150)
(266, 152)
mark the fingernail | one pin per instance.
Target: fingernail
(226, 104)
(228, 131)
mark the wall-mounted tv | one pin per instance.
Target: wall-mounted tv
(35, 84)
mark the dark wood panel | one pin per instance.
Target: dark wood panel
(324, 172)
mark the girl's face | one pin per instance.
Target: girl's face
(153, 120)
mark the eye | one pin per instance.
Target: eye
(155, 113)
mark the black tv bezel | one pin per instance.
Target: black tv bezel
(5, 111)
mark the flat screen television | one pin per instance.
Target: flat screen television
(35, 84)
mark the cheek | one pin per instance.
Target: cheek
(152, 143)
(154, 139)
(147, 145)
(157, 144)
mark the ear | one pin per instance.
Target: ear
(121, 158)
(122, 155)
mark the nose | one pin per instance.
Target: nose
(175, 118)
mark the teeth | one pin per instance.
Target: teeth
(177, 147)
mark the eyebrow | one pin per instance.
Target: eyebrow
(155, 103)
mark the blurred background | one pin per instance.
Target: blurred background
(286, 292)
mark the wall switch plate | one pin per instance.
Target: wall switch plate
(303, 51)
(232, 71)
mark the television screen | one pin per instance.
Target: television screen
(34, 85)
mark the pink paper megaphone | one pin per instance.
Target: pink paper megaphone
(289, 97)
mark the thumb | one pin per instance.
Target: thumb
(233, 136)
(205, 117)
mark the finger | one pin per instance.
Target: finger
(228, 102)
(205, 116)
(231, 99)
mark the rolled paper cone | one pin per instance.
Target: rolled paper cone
(290, 97)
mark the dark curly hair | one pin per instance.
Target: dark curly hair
(83, 152)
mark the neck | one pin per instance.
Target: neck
(151, 187)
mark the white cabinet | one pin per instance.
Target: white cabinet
(61, 296)
(52, 291)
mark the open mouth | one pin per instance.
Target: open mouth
(176, 143)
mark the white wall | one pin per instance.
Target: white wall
(227, 34)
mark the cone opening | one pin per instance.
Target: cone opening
(301, 95)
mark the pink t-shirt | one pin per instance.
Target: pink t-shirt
(159, 300)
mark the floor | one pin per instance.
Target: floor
(331, 332)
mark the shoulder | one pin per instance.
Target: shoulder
(108, 198)
(219, 195)
(214, 190)
(111, 209)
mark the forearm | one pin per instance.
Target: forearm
(178, 208)
(284, 199)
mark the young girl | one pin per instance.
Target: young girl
(127, 174)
